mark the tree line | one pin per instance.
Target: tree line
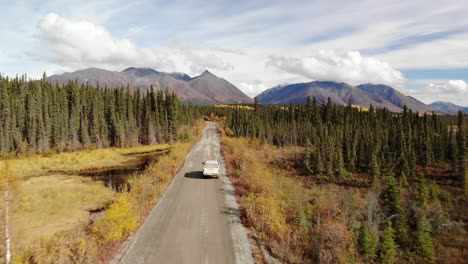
(343, 139)
(37, 116)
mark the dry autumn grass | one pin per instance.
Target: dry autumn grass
(143, 149)
(51, 204)
(78, 161)
(242, 107)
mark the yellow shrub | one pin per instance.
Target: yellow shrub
(266, 213)
(264, 204)
(119, 221)
(235, 106)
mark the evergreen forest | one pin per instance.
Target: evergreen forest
(39, 117)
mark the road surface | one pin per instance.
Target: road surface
(197, 220)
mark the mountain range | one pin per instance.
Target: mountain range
(208, 88)
(378, 96)
(448, 107)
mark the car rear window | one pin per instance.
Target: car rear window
(211, 166)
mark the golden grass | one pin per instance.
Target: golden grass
(144, 149)
(361, 108)
(242, 107)
(78, 161)
(50, 204)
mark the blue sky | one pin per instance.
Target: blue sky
(418, 47)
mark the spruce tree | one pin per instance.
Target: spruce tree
(374, 167)
(452, 152)
(425, 246)
(318, 164)
(367, 245)
(461, 163)
(390, 197)
(388, 249)
(308, 103)
(391, 203)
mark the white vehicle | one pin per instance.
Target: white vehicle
(211, 168)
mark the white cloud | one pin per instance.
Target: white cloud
(200, 59)
(455, 91)
(76, 44)
(350, 67)
(252, 89)
(450, 52)
(452, 86)
(81, 44)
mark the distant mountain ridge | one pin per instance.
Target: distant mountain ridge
(206, 88)
(377, 95)
(217, 89)
(448, 107)
(395, 97)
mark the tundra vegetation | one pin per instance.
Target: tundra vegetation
(338, 184)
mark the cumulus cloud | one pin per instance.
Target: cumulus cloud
(201, 59)
(76, 44)
(455, 91)
(452, 86)
(446, 53)
(252, 88)
(81, 44)
(350, 67)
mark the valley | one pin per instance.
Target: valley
(378, 183)
(238, 132)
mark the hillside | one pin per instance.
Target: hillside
(448, 107)
(379, 96)
(394, 97)
(204, 89)
(218, 89)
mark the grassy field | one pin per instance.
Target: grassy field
(51, 204)
(144, 149)
(78, 161)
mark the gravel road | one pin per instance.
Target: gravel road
(197, 220)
